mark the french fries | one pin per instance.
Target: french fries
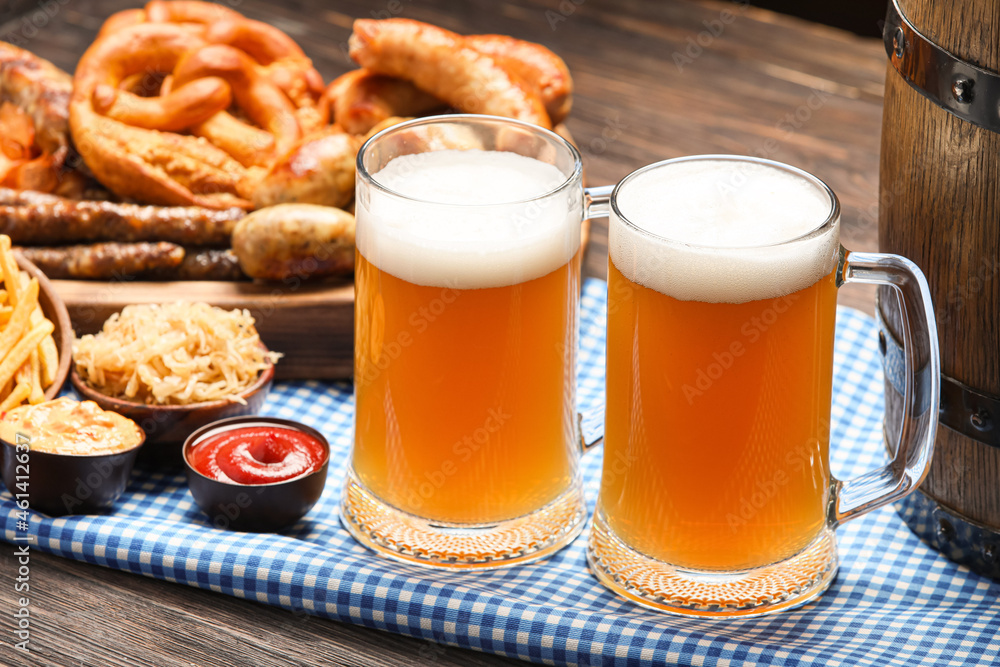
(28, 354)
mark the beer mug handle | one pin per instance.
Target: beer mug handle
(590, 424)
(597, 201)
(918, 425)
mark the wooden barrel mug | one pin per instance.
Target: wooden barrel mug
(939, 205)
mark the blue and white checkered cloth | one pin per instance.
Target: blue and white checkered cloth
(895, 601)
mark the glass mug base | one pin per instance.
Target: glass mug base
(661, 586)
(412, 539)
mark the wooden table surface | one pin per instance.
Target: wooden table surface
(654, 80)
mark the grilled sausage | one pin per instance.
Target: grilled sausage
(42, 90)
(361, 99)
(135, 261)
(295, 241)
(34, 218)
(204, 264)
(104, 261)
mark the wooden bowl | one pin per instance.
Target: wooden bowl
(167, 426)
(54, 309)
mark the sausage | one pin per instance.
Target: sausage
(439, 62)
(295, 241)
(34, 218)
(203, 264)
(132, 261)
(318, 170)
(104, 261)
(536, 65)
(42, 90)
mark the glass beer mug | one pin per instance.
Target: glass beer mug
(716, 497)
(467, 282)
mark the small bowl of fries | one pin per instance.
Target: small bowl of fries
(36, 337)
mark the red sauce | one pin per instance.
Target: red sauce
(257, 455)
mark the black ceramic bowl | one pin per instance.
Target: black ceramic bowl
(255, 507)
(59, 484)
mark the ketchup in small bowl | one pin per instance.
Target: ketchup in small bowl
(256, 473)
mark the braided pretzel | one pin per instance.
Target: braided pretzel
(188, 11)
(263, 102)
(178, 67)
(277, 55)
(282, 59)
(136, 162)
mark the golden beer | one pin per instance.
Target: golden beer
(716, 495)
(467, 289)
(465, 396)
(720, 366)
(718, 422)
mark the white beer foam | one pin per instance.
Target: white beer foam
(466, 223)
(709, 219)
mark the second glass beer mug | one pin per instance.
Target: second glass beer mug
(467, 290)
(717, 497)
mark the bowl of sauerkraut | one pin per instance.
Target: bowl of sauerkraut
(173, 368)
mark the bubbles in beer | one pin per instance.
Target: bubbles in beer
(723, 231)
(469, 219)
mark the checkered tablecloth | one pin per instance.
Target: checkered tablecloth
(895, 601)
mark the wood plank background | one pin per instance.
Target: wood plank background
(654, 80)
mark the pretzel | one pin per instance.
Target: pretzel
(263, 102)
(188, 11)
(121, 20)
(136, 162)
(182, 108)
(279, 57)
(281, 60)
(439, 62)
(180, 66)
(361, 99)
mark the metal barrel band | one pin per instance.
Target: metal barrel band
(963, 89)
(964, 409)
(954, 535)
